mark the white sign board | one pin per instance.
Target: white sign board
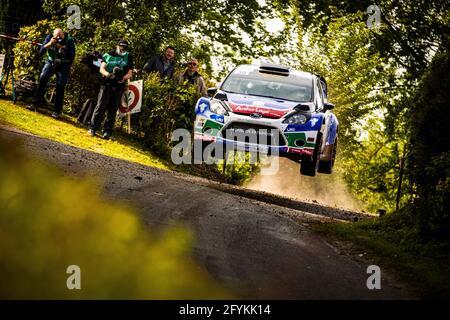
(2, 63)
(132, 98)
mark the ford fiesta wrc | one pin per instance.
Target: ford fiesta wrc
(271, 109)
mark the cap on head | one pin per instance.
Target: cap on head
(123, 43)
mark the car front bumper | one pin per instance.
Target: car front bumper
(293, 142)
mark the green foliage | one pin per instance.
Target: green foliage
(413, 31)
(27, 61)
(387, 111)
(372, 168)
(410, 29)
(238, 167)
(370, 147)
(151, 25)
(48, 222)
(429, 164)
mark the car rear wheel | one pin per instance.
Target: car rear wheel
(327, 166)
(309, 168)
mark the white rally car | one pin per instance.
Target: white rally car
(273, 109)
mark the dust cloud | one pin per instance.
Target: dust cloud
(324, 189)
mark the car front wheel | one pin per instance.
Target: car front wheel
(309, 167)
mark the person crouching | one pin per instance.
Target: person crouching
(116, 69)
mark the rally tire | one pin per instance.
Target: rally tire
(309, 167)
(327, 166)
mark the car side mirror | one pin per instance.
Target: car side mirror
(211, 91)
(328, 106)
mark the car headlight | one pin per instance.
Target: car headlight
(218, 107)
(296, 118)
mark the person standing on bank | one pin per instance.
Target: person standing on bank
(60, 49)
(116, 68)
(193, 77)
(163, 64)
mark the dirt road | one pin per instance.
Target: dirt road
(255, 248)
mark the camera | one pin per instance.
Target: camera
(58, 39)
(117, 73)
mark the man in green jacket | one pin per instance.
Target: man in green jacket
(116, 68)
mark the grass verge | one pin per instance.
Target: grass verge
(68, 131)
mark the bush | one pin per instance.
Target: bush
(240, 169)
(429, 165)
(166, 107)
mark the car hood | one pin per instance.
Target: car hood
(267, 107)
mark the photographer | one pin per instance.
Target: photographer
(60, 50)
(116, 68)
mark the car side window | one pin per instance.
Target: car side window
(319, 95)
(324, 91)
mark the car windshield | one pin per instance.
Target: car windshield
(252, 82)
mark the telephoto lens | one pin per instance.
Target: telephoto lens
(117, 72)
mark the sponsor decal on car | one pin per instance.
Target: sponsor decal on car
(265, 112)
(306, 152)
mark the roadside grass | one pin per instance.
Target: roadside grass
(425, 266)
(68, 131)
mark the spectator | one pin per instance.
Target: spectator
(60, 50)
(163, 64)
(192, 76)
(116, 68)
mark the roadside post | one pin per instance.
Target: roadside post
(128, 113)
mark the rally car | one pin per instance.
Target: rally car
(272, 109)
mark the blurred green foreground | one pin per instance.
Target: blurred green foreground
(49, 222)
